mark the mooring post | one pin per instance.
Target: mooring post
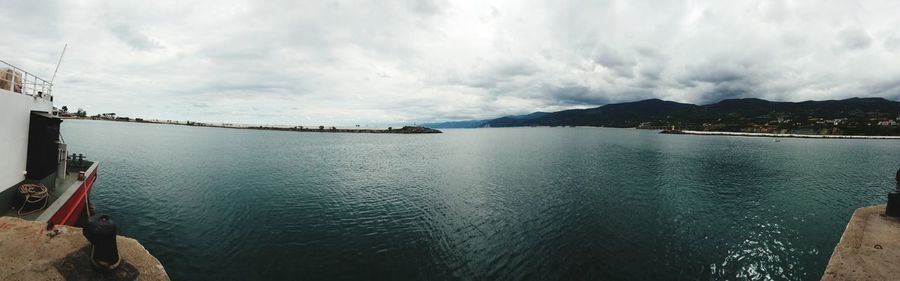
(893, 204)
(101, 232)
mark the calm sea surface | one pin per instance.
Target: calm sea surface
(481, 204)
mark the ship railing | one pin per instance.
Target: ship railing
(17, 80)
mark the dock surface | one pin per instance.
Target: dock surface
(31, 252)
(869, 248)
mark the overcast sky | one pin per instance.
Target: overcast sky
(393, 62)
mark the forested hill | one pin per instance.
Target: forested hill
(849, 116)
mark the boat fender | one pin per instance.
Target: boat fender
(101, 232)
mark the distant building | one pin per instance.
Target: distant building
(837, 121)
(888, 123)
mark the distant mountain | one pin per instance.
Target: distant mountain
(481, 123)
(530, 116)
(849, 116)
(456, 124)
(864, 116)
(616, 115)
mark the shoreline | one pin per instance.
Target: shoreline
(771, 135)
(389, 130)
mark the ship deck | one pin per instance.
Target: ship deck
(59, 193)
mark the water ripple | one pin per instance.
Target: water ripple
(492, 204)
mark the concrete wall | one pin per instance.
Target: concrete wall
(15, 114)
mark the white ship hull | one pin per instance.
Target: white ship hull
(15, 114)
(36, 179)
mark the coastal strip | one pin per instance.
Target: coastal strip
(319, 129)
(389, 130)
(770, 135)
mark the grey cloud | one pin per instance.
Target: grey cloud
(576, 95)
(388, 61)
(134, 38)
(621, 65)
(892, 43)
(727, 79)
(714, 74)
(428, 6)
(889, 88)
(611, 59)
(650, 72)
(724, 79)
(854, 38)
(519, 68)
(495, 75)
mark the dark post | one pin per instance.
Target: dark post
(101, 232)
(893, 204)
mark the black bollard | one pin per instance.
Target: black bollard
(893, 204)
(101, 232)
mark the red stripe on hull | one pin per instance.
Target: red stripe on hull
(68, 214)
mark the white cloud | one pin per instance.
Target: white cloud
(356, 62)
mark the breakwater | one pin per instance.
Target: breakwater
(403, 130)
(319, 129)
(770, 135)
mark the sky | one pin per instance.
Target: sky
(398, 62)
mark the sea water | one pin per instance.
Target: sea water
(481, 204)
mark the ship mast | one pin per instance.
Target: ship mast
(58, 63)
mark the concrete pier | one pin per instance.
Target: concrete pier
(28, 251)
(869, 248)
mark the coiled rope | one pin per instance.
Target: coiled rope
(33, 193)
